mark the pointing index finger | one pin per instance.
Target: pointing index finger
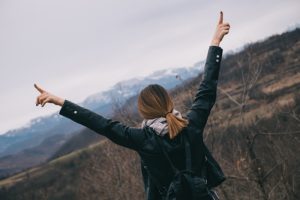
(38, 88)
(221, 17)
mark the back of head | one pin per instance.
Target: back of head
(154, 101)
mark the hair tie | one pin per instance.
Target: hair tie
(169, 112)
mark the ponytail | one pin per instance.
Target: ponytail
(175, 124)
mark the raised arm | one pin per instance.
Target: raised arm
(117, 132)
(206, 94)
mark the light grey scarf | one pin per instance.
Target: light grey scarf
(160, 124)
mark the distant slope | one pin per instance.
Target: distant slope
(27, 158)
(81, 175)
(253, 131)
(80, 140)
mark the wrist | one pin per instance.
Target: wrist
(60, 101)
(215, 42)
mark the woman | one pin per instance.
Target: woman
(160, 118)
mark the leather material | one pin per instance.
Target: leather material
(142, 139)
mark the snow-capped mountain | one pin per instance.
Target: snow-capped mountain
(168, 78)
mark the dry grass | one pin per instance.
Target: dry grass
(283, 83)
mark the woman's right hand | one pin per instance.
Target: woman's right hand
(221, 30)
(46, 97)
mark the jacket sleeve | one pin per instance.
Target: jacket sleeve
(117, 132)
(206, 94)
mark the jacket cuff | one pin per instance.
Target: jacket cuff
(68, 109)
(214, 54)
(213, 63)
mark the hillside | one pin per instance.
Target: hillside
(253, 131)
(83, 174)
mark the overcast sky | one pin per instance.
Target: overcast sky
(74, 48)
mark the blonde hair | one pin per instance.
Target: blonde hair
(154, 101)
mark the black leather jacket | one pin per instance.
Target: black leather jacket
(143, 141)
